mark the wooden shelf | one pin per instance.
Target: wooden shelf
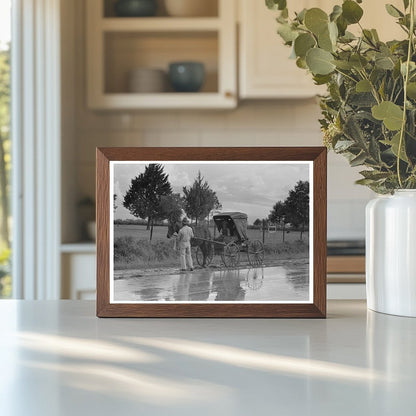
(84, 247)
(346, 264)
(164, 100)
(160, 24)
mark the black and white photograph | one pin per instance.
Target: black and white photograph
(211, 232)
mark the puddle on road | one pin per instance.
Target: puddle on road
(274, 284)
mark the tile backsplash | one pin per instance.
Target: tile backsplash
(257, 123)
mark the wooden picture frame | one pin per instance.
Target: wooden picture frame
(260, 158)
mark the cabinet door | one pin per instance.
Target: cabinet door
(265, 68)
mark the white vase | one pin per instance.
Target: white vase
(391, 253)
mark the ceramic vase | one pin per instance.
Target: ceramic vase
(391, 253)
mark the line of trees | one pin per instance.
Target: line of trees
(150, 197)
(294, 209)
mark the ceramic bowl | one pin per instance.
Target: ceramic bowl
(186, 76)
(147, 80)
(191, 8)
(135, 8)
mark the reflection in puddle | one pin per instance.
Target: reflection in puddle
(270, 284)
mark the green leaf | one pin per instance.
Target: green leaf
(343, 145)
(368, 36)
(301, 15)
(301, 63)
(303, 43)
(287, 33)
(342, 25)
(333, 32)
(374, 175)
(394, 144)
(319, 61)
(375, 35)
(363, 86)
(336, 12)
(358, 160)
(347, 37)
(384, 62)
(406, 4)
(365, 182)
(351, 11)
(388, 112)
(321, 79)
(358, 61)
(393, 11)
(344, 65)
(325, 42)
(353, 131)
(316, 20)
(276, 4)
(411, 90)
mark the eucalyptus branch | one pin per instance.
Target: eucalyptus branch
(346, 75)
(406, 80)
(373, 88)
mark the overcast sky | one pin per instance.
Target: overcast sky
(250, 188)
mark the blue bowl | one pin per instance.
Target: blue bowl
(187, 76)
(135, 8)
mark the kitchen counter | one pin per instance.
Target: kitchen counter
(57, 358)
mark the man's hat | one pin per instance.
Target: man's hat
(185, 221)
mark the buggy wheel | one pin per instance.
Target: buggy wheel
(231, 255)
(255, 253)
(208, 258)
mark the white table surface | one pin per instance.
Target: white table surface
(57, 358)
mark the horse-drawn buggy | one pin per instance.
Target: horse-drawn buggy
(231, 242)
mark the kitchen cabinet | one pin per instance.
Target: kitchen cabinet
(265, 69)
(118, 45)
(78, 262)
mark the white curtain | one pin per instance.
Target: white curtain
(36, 138)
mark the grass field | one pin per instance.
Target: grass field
(139, 232)
(133, 250)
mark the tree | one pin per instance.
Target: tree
(115, 202)
(5, 160)
(297, 205)
(278, 216)
(200, 199)
(143, 199)
(171, 207)
(257, 222)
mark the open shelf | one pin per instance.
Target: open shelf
(126, 51)
(160, 24)
(119, 45)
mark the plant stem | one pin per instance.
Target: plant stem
(406, 80)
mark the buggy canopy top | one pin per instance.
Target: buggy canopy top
(236, 223)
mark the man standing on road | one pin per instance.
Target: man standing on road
(185, 235)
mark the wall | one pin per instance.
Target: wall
(254, 123)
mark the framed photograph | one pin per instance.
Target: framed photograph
(211, 232)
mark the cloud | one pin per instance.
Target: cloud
(252, 188)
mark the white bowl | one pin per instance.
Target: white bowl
(147, 80)
(191, 8)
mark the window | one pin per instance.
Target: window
(5, 147)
